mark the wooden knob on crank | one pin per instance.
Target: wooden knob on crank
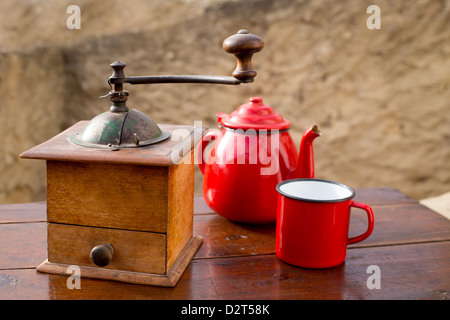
(102, 254)
(243, 45)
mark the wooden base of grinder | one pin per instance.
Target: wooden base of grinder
(169, 279)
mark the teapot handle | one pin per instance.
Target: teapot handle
(207, 138)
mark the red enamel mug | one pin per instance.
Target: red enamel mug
(313, 217)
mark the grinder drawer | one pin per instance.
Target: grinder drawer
(133, 250)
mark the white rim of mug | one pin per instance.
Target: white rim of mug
(315, 200)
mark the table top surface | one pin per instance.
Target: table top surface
(410, 248)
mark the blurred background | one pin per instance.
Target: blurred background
(380, 97)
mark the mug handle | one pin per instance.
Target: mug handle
(207, 138)
(366, 234)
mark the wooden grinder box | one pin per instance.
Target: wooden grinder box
(135, 202)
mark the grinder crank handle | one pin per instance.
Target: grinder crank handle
(243, 45)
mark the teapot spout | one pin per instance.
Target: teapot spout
(305, 166)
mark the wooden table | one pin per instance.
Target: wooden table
(410, 245)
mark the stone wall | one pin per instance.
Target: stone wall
(380, 97)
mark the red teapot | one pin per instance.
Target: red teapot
(251, 154)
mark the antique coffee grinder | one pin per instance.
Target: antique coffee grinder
(120, 188)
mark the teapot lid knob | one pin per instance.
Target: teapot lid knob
(254, 115)
(255, 100)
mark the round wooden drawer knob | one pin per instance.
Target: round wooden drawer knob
(102, 254)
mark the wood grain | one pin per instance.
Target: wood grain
(397, 224)
(180, 211)
(22, 245)
(400, 224)
(224, 238)
(134, 250)
(17, 212)
(266, 277)
(35, 211)
(381, 196)
(131, 197)
(410, 244)
(168, 279)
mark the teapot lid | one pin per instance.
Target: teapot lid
(253, 115)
